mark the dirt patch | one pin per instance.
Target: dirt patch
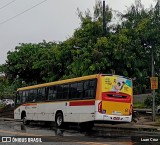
(146, 119)
(7, 112)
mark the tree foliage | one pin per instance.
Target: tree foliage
(124, 50)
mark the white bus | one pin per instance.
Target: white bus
(82, 100)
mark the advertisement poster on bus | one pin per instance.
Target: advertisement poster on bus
(117, 84)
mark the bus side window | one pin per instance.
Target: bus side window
(86, 89)
(60, 92)
(41, 94)
(52, 93)
(73, 91)
(18, 97)
(80, 89)
(26, 96)
(23, 96)
(32, 96)
(65, 91)
(90, 89)
(29, 96)
(35, 95)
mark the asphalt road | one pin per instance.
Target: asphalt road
(46, 134)
(17, 133)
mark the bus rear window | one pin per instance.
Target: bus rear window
(112, 96)
(116, 96)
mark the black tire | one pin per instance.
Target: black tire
(59, 120)
(86, 126)
(25, 121)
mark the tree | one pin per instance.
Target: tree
(124, 50)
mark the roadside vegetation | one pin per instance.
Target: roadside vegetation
(158, 120)
(2, 106)
(125, 49)
(148, 101)
(139, 105)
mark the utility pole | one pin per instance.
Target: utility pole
(158, 4)
(153, 91)
(104, 19)
(153, 69)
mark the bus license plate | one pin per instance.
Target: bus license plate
(116, 118)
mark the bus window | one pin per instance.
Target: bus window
(92, 86)
(89, 89)
(86, 85)
(18, 97)
(92, 83)
(41, 94)
(26, 96)
(60, 92)
(29, 96)
(65, 91)
(73, 91)
(52, 92)
(23, 97)
(80, 89)
(32, 94)
(86, 89)
(35, 94)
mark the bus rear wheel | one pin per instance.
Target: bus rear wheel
(59, 120)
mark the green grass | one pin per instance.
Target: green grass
(2, 106)
(139, 105)
(158, 119)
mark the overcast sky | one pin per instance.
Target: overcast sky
(52, 20)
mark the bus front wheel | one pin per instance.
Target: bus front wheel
(24, 119)
(59, 120)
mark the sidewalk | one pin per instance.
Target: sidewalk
(143, 123)
(6, 119)
(151, 127)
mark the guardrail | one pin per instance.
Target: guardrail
(144, 110)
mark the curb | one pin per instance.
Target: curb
(128, 128)
(6, 119)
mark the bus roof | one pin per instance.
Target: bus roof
(59, 82)
(66, 81)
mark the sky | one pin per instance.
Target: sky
(32, 21)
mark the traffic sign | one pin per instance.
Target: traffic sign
(154, 83)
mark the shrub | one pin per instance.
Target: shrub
(2, 106)
(149, 100)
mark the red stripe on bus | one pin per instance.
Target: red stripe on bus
(82, 103)
(31, 104)
(106, 97)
